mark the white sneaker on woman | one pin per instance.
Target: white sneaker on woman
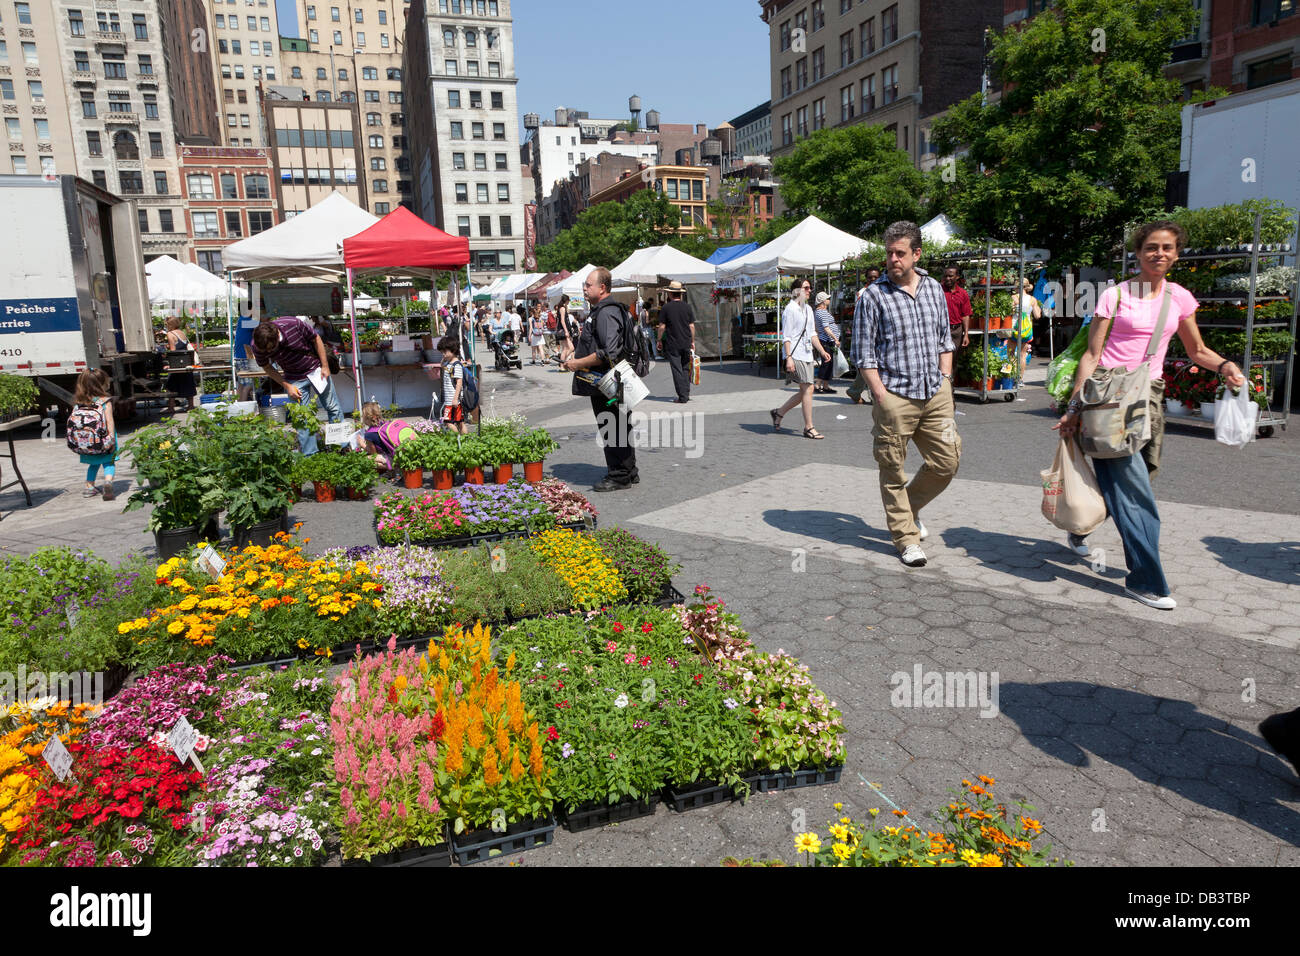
(1165, 603)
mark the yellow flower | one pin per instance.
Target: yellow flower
(807, 843)
(841, 851)
(873, 811)
(839, 832)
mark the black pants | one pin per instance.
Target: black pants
(612, 427)
(679, 360)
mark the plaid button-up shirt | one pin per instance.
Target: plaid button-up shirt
(901, 336)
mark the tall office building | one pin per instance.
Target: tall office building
(247, 55)
(460, 87)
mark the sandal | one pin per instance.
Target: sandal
(776, 420)
(812, 433)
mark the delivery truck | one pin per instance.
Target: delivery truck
(73, 293)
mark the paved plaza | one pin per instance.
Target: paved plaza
(1133, 731)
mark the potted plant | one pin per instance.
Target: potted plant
(357, 474)
(501, 448)
(473, 456)
(534, 446)
(254, 464)
(409, 460)
(370, 341)
(183, 489)
(441, 455)
(302, 417)
(18, 394)
(322, 470)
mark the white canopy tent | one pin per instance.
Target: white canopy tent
(811, 246)
(572, 286)
(173, 281)
(515, 284)
(663, 264)
(311, 243)
(939, 230)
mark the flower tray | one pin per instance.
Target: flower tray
(411, 856)
(669, 596)
(469, 541)
(475, 846)
(771, 781)
(593, 813)
(696, 795)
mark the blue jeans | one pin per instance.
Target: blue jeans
(1126, 489)
(329, 401)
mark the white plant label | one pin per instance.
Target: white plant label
(182, 740)
(73, 610)
(339, 433)
(57, 757)
(211, 562)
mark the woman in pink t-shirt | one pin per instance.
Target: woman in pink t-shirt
(1126, 482)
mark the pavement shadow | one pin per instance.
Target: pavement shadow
(1165, 742)
(13, 501)
(833, 527)
(1277, 561)
(579, 474)
(1037, 559)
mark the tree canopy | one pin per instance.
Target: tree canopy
(609, 232)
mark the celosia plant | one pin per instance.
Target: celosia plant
(582, 565)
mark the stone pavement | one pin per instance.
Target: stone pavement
(1131, 730)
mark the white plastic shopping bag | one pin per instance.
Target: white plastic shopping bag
(1235, 418)
(840, 366)
(1071, 499)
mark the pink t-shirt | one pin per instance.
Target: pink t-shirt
(1131, 332)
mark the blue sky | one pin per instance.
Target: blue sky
(695, 61)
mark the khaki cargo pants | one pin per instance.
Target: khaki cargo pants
(932, 426)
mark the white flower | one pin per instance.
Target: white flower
(317, 752)
(620, 700)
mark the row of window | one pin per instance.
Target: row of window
(395, 119)
(482, 192)
(888, 23)
(496, 98)
(18, 165)
(476, 130)
(504, 224)
(332, 138)
(795, 78)
(201, 186)
(367, 73)
(797, 123)
(105, 21)
(681, 189)
(298, 176)
(334, 15)
(207, 223)
(119, 102)
(491, 38)
(359, 38)
(255, 48)
(239, 72)
(252, 23)
(124, 146)
(491, 260)
(114, 63)
(381, 186)
(482, 8)
(480, 161)
(35, 90)
(452, 68)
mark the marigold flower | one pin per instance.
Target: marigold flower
(807, 843)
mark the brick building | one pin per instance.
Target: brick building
(228, 196)
(687, 188)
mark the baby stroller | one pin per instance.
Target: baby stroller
(506, 352)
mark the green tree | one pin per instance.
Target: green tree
(1084, 132)
(851, 177)
(609, 232)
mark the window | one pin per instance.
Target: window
(476, 130)
(252, 24)
(232, 119)
(505, 227)
(785, 81)
(254, 48)
(87, 102)
(889, 84)
(361, 38)
(379, 186)
(80, 58)
(449, 37)
(503, 192)
(845, 6)
(233, 227)
(295, 72)
(485, 225)
(450, 68)
(846, 104)
(471, 67)
(846, 49)
(819, 114)
(239, 71)
(383, 17)
(334, 14)
(199, 186)
(462, 225)
(499, 131)
(801, 121)
(492, 12)
(257, 186)
(141, 28)
(785, 36)
(155, 144)
(221, 20)
(801, 20)
(108, 22)
(270, 73)
(381, 208)
(869, 93)
(481, 192)
(243, 95)
(1266, 11)
(1274, 70)
(228, 188)
(360, 18)
(119, 102)
(462, 192)
(889, 26)
(165, 221)
(397, 119)
(476, 99)
(76, 25)
(151, 106)
(395, 96)
(501, 161)
(498, 101)
(97, 176)
(393, 72)
(160, 182)
(378, 162)
(131, 182)
(471, 38)
(372, 96)
(457, 130)
(453, 99)
(313, 36)
(142, 217)
(818, 16)
(223, 47)
(338, 38)
(377, 142)
(24, 11)
(29, 54)
(480, 160)
(819, 64)
(383, 39)
(115, 66)
(399, 142)
(801, 73)
(265, 23)
(787, 129)
(867, 37)
(146, 64)
(206, 224)
(210, 259)
(311, 12)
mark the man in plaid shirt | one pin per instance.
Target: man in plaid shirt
(902, 346)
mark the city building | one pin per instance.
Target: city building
(559, 209)
(687, 188)
(460, 87)
(228, 196)
(33, 91)
(891, 63)
(247, 55)
(747, 199)
(754, 131)
(353, 54)
(556, 150)
(317, 149)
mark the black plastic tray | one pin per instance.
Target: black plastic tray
(772, 781)
(697, 795)
(475, 846)
(593, 814)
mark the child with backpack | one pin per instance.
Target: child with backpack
(459, 394)
(382, 438)
(91, 431)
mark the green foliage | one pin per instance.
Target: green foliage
(182, 485)
(645, 568)
(17, 394)
(251, 458)
(851, 176)
(1231, 225)
(356, 471)
(609, 232)
(1080, 141)
(302, 416)
(535, 445)
(325, 468)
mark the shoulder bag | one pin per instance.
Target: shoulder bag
(1115, 420)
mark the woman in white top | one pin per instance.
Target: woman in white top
(799, 335)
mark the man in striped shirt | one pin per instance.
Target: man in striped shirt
(902, 345)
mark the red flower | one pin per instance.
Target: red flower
(559, 685)
(552, 733)
(437, 726)
(645, 661)
(392, 694)
(647, 627)
(618, 628)
(562, 704)
(698, 678)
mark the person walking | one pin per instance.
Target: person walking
(536, 335)
(182, 383)
(1030, 311)
(598, 349)
(453, 379)
(959, 311)
(1130, 314)
(92, 433)
(643, 317)
(902, 344)
(799, 334)
(828, 333)
(564, 329)
(677, 340)
(293, 345)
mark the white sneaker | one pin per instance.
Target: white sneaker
(921, 527)
(1078, 544)
(914, 557)
(1165, 603)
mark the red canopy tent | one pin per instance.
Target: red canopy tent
(401, 243)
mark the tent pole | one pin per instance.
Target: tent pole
(230, 332)
(780, 344)
(356, 346)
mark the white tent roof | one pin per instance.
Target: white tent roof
(658, 263)
(572, 286)
(812, 244)
(515, 284)
(173, 281)
(311, 243)
(940, 229)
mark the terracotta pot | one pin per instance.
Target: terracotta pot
(502, 473)
(413, 478)
(532, 471)
(988, 385)
(441, 478)
(976, 323)
(357, 494)
(324, 490)
(474, 476)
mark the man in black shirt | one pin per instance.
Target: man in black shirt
(677, 340)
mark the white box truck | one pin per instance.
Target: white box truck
(73, 294)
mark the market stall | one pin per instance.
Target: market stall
(653, 268)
